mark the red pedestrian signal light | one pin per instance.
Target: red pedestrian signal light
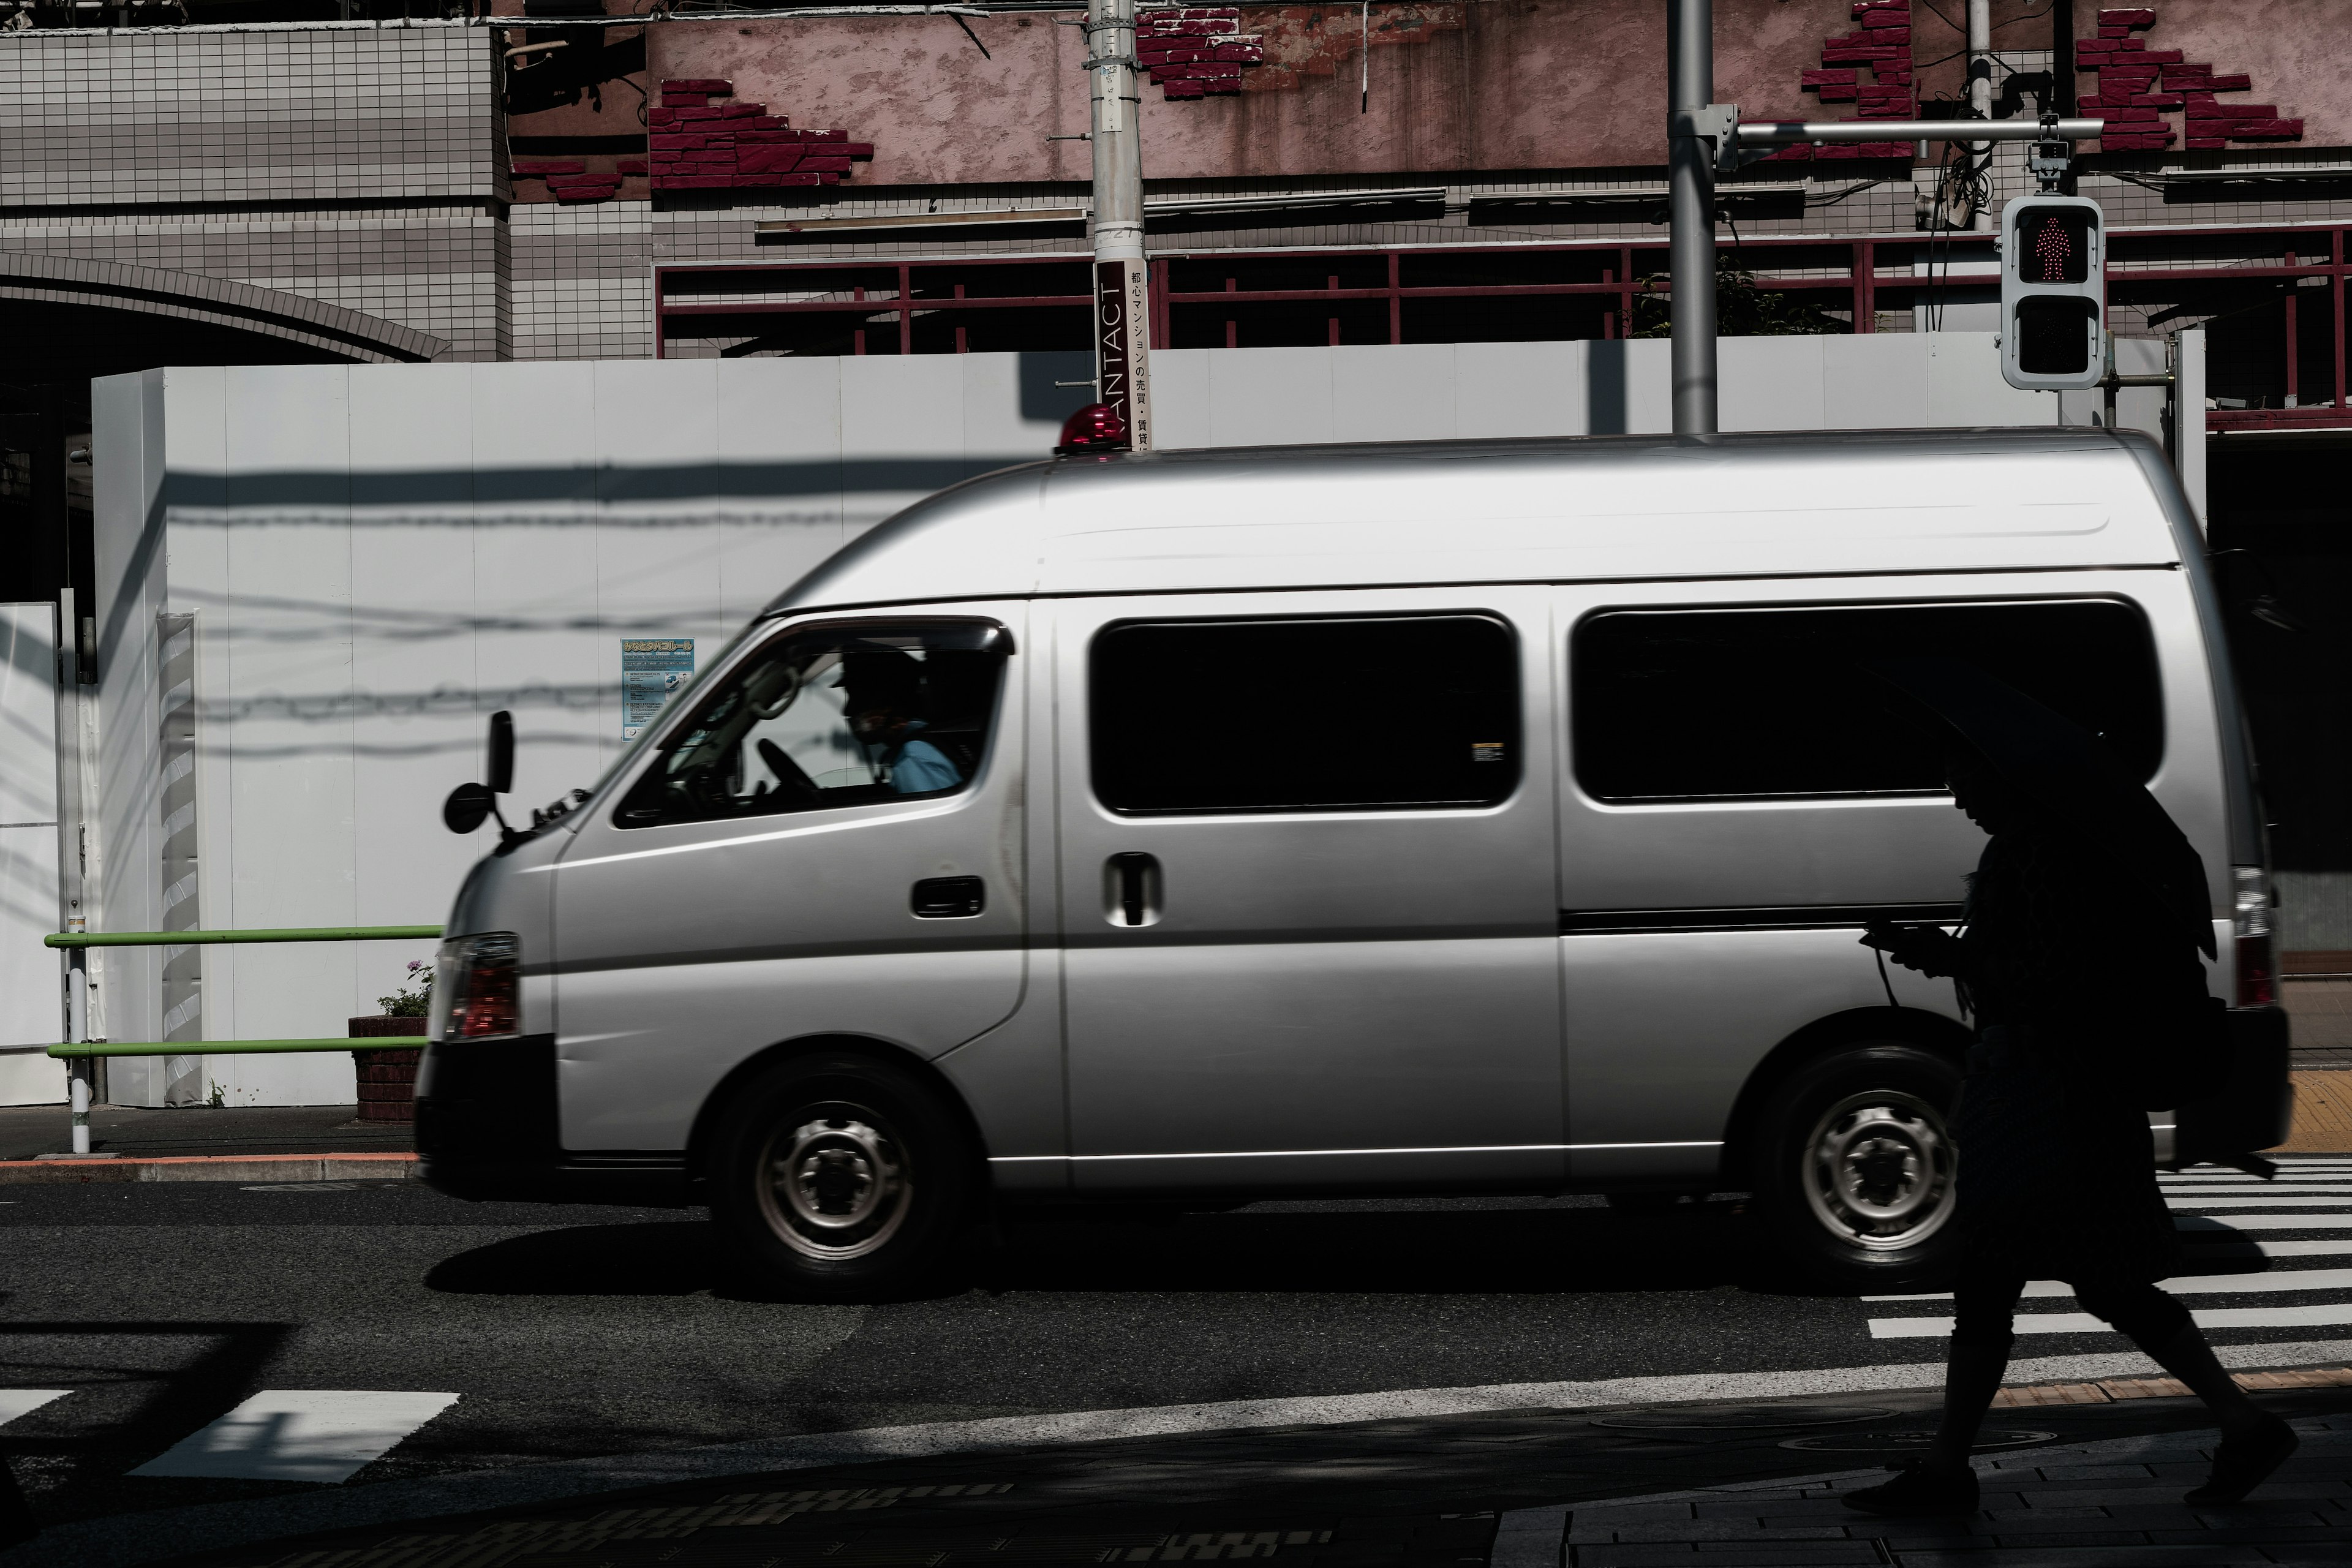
(2053, 294)
(2054, 244)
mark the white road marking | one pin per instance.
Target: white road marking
(15, 1401)
(2204, 1249)
(2254, 1202)
(2237, 1189)
(2085, 1323)
(2284, 1280)
(301, 1434)
(2264, 1221)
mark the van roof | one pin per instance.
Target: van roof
(1550, 509)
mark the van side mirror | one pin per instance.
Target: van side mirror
(469, 804)
(501, 760)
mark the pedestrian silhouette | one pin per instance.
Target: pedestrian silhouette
(2077, 963)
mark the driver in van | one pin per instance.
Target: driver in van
(883, 687)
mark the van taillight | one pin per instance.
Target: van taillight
(2256, 955)
(476, 986)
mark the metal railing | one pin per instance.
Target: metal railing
(82, 1049)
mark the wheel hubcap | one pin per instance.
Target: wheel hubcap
(837, 1185)
(1878, 1170)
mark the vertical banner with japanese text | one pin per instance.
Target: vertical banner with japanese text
(1123, 344)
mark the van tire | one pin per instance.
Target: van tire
(838, 1177)
(1854, 1165)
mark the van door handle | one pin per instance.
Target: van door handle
(1134, 888)
(947, 897)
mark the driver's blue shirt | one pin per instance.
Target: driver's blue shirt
(921, 766)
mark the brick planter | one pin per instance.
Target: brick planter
(387, 1079)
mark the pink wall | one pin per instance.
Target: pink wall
(1457, 85)
(1520, 84)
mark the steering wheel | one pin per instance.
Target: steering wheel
(790, 779)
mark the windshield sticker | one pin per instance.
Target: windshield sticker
(651, 669)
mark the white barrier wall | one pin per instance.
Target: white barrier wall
(376, 557)
(30, 978)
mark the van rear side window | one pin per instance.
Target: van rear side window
(1677, 705)
(1310, 715)
(825, 716)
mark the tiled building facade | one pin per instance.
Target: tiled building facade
(569, 189)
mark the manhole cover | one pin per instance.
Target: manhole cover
(1908, 1442)
(1740, 1417)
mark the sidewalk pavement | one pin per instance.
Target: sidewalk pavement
(2084, 1506)
(28, 1131)
(1733, 1485)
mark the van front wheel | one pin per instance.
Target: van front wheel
(840, 1177)
(1856, 1162)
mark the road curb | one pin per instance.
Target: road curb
(210, 1168)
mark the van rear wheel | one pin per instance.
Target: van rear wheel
(841, 1177)
(1856, 1163)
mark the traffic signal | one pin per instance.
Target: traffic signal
(2054, 293)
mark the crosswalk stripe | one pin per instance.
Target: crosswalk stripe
(2284, 1280)
(2341, 1189)
(301, 1434)
(2292, 1173)
(2177, 1201)
(2202, 1223)
(2085, 1323)
(15, 1401)
(2205, 1249)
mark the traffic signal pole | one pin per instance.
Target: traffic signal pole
(1980, 94)
(1690, 204)
(1122, 293)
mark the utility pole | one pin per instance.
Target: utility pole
(1122, 287)
(1690, 206)
(1980, 97)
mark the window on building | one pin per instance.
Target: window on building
(844, 715)
(1728, 705)
(1306, 715)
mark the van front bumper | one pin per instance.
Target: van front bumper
(487, 1131)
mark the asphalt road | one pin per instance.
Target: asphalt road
(569, 1333)
(578, 1331)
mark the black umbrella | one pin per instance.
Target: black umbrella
(2068, 777)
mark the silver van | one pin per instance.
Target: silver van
(1206, 826)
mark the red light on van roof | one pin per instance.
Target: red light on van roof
(1096, 427)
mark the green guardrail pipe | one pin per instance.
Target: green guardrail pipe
(235, 1047)
(198, 938)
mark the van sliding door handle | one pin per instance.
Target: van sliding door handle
(1132, 885)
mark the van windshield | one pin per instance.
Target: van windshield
(828, 716)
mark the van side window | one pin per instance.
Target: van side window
(1306, 715)
(841, 715)
(1770, 702)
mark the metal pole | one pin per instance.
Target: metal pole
(1122, 287)
(1980, 92)
(70, 913)
(1690, 177)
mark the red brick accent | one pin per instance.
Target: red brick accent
(702, 146)
(1197, 51)
(1883, 42)
(2129, 96)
